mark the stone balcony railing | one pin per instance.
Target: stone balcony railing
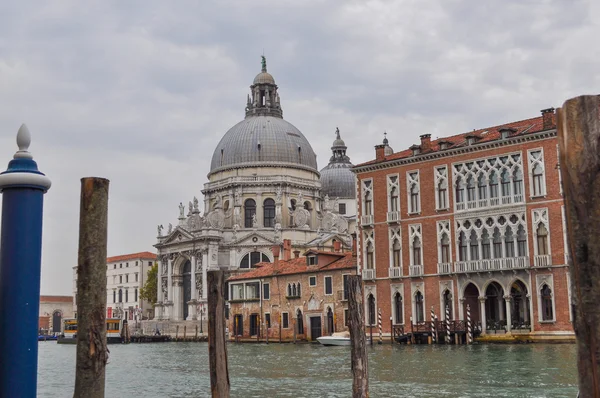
(368, 274)
(489, 202)
(395, 272)
(366, 220)
(444, 268)
(542, 260)
(393, 216)
(493, 264)
(415, 270)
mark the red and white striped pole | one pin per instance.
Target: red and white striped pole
(469, 330)
(432, 324)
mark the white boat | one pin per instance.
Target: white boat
(340, 338)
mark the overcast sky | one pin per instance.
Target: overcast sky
(140, 92)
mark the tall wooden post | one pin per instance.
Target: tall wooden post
(217, 349)
(579, 141)
(360, 381)
(92, 352)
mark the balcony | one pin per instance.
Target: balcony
(415, 270)
(366, 220)
(395, 272)
(493, 264)
(489, 202)
(393, 216)
(542, 260)
(368, 274)
(444, 268)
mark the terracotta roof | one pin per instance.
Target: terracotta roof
(327, 253)
(56, 299)
(522, 127)
(295, 266)
(132, 256)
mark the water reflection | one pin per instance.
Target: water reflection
(181, 370)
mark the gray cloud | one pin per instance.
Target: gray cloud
(141, 92)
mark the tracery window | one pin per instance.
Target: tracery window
(367, 191)
(443, 235)
(415, 244)
(396, 254)
(393, 193)
(413, 188)
(369, 245)
(541, 231)
(395, 240)
(536, 167)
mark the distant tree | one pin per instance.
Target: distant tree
(148, 292)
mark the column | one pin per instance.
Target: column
(508, 301)
(204, 268)
(528, 310)
(193, 269)
(159, 293)
(170, 281)
(482, 313)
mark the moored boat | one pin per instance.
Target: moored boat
(339, 338)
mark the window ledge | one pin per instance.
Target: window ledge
(414, 213)
(443, 209)
(542, 196)
(548, 322)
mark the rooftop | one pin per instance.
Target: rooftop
(298, 266)
(519, 128)
(132, 256)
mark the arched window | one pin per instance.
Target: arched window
(521, 242)
(497, 243)
(505, 183)
(249, 212)
(474, 244)
(448, 304)
(396, 253)
(398, 313)
(493, 184)
(251, 259)
(371, 303)
(470, 188)
(462, 247)
(542, 240)
(460, 191)
(269, 213)
(414, 199)
(293, 290)
(517, 182)
(120, 295)
(538, 180)
(486, 249)
(482, 186)
(394, 199)
(292, 209)
(445, 245)
(417, 251)
(547, 313)
(368, 204)
(299, 322)
(369, 255)
(509, 240)
(419, 311)
(289, 290)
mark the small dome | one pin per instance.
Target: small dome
(264, 77)
(339, 142)
(338, 181)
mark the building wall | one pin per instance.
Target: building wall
(51, 305)
(313, 302)
(430, 281)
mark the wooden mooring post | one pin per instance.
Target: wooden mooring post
(217, 348)
(578, 124)
(92, 352)
(358, 355)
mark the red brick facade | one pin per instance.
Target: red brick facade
(304, 297)
(504, 253)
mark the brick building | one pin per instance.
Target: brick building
(473, 219)
(298, 298)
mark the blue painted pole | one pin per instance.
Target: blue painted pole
(22, 186)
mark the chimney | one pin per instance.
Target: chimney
(296, 253)
(548, 119)
(379, 152)
(353, 243)
(337, 246)
(275, 250)
(425, 142)
(287, 249)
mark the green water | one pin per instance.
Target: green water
(306, 370)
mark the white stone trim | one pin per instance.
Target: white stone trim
(540, 281)
(413, 180)
(441, 178)
(16, 179)
(415, 231)
(532, 161)
(444, 227)
(370, 289)
(395, 233)
(393, 184)
(540, 216)
(414, 288)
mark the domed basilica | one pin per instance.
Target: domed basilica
(263, 187)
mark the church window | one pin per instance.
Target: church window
(269, 213)
(251, 259)
(342, 208)
(249, 212)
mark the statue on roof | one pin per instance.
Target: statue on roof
(337, 133)
(263, 63)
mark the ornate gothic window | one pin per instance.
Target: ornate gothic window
(369, 245)
(413, 188)
(443, 235)
(395, 244)
(486, 251)
(474, 246)
(542, 240)
(367, 190)
(441, 187)
(521, 242)
(536, 167)
(416, 257)
(462, 247)
(396, 252)
(393, 192)
(369, 255)
(249, 212)
(541, 228)
(398, 313)
(269, 213)
(546, 294)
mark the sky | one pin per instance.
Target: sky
(140, 92)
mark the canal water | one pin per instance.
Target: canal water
(308, 370)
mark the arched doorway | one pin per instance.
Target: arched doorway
(495, 309)
(56, 321)
(520, 305)
(330, 328)
(471, 298)
(187, 287)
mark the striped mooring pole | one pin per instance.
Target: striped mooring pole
(432, 324)
(23, 187)
(469, 330)
(447, 324)
(379, 324)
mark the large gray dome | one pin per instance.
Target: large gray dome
(337, 178)
(338, 181)
(263, 141)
